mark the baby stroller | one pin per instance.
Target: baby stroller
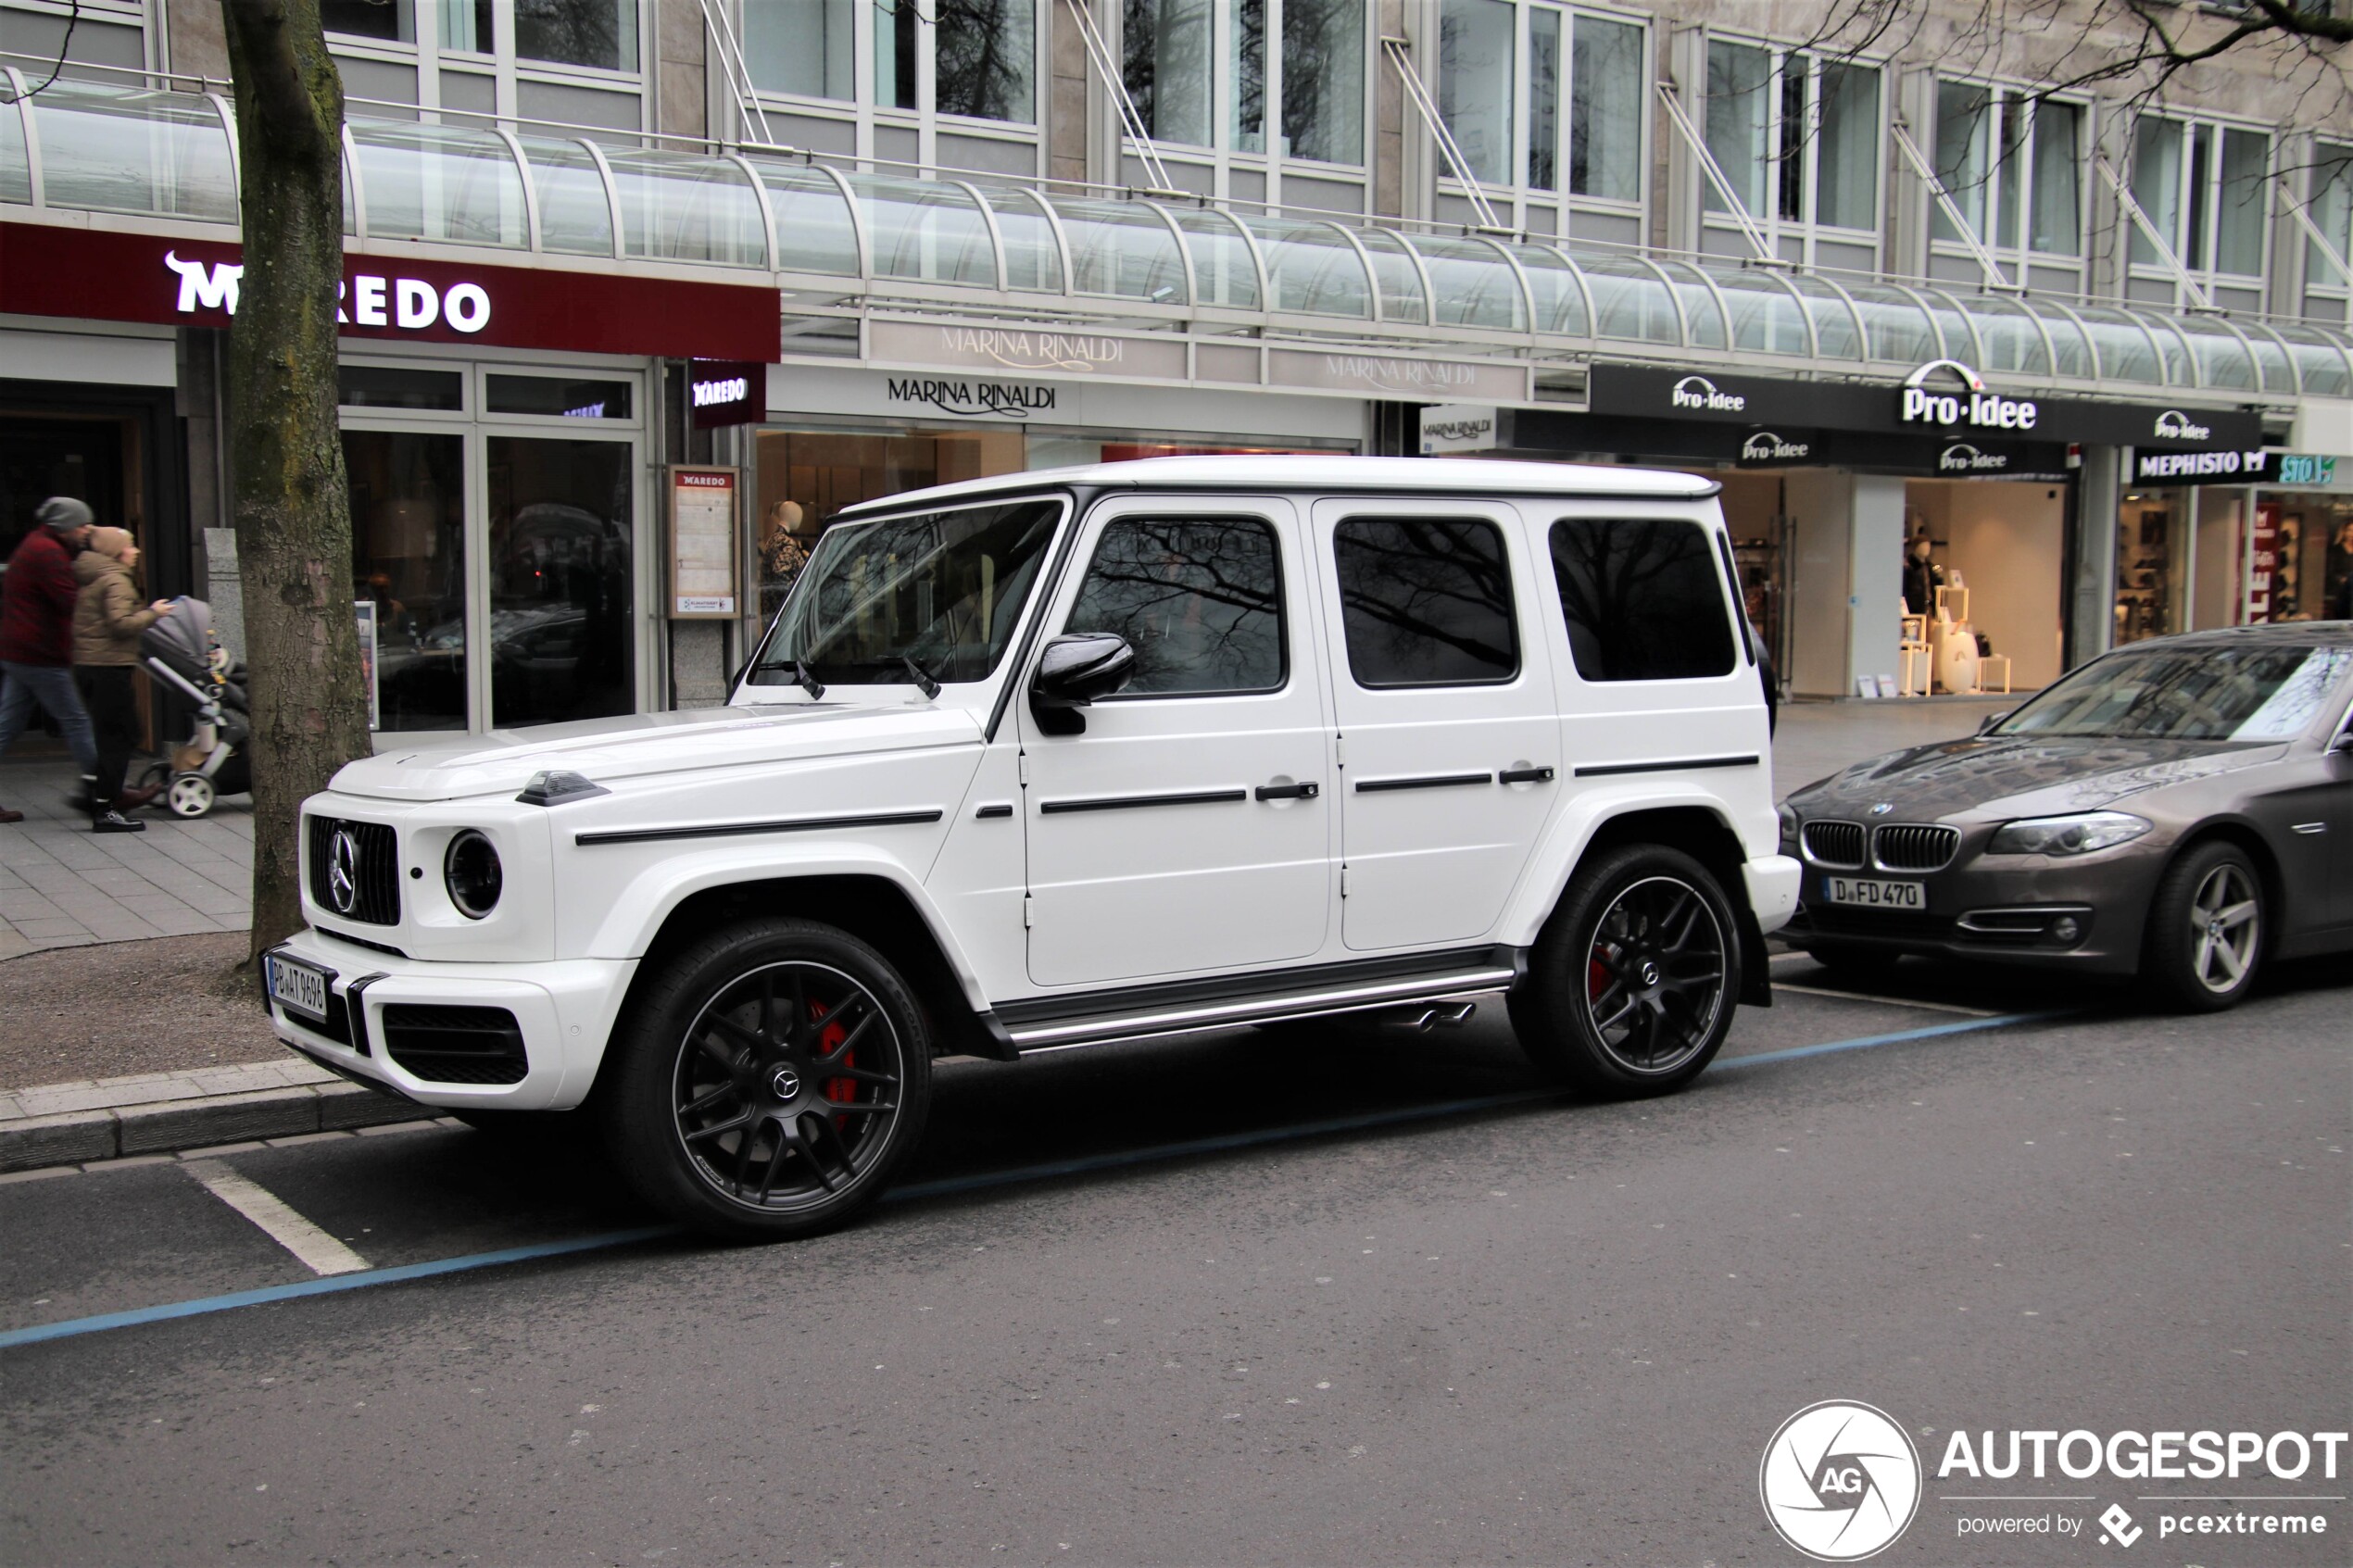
(181, 651)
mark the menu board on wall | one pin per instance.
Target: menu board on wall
(702, 543)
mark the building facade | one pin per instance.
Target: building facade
(641, 292)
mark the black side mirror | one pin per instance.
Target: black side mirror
(1074, 672)
(2342, 743)
(1987, 723)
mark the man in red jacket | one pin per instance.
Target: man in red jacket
(36, 635)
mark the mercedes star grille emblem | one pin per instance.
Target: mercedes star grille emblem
(342, 871)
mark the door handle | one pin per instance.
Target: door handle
(1308, 791)
(1524, 775)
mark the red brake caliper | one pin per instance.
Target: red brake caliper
(842, 1091)
(1597, 976)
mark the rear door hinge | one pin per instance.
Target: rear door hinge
(1343, 881)
(1340, 751)
(1025, 921)
(1024, 758)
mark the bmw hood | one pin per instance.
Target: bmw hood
(637, 745)
(2019, 776)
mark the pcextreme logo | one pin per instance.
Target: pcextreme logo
(1839, 1481)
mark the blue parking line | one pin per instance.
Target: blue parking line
(1156, 1154)
(327, 1286)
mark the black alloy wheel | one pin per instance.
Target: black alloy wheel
(771, 1080)
(1633, 983)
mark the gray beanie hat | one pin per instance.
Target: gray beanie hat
(65, 513)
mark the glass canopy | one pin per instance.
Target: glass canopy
(90, 147)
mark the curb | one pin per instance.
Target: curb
(145, 1127)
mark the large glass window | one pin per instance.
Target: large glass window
(1645, 599)
(602, 33)
(2012, 165)
(1796, 135)
(1582, 77)
(561, 622)
(1425, 601)
(984, 58)
(1324, 80)
(2204, 189)
(1200, 599)
(1174, 70)
(2332, 210)
(409, 558)
(799, 46)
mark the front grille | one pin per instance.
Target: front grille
(1834, 844)
(375, 870)
(455, 1045)
(1907, 847)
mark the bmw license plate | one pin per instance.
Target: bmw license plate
(299, 987)
(1875, 894)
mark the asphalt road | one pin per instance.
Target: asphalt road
(1152, 1305)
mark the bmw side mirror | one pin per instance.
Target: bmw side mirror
(1074, 672)
(2342, 745)
(1985, 725)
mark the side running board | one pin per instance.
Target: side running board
(1021, 1037)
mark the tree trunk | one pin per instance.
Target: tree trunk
(292, 510)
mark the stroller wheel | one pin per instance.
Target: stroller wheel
(191, 795)
(156, 773)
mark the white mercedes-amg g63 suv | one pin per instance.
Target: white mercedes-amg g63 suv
(1052, 759)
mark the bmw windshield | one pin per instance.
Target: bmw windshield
(2193, 692)
(934, 595)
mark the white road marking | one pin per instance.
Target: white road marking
(320, 1252)
(1891, 1001)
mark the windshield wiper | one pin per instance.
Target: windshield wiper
(806, 682)
(925, 682)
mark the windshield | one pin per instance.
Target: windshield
(941, 588)
(2242, 694)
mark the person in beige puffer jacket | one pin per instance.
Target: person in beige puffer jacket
(107, 618)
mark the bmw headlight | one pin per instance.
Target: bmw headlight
(470, 870)
(1788, 816)
(2078, 834)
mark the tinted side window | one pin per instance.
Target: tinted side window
(1425, 601)
(1200, 599)
(1642, 599)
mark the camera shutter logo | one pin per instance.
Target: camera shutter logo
(1841, 1481)
(342, 871)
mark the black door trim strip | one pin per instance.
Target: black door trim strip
(1603, 770)
(784, 824)
(1121, 802)
(1439, 780)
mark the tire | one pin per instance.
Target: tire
(1631, 984)
(1854, 961)
(190, 795)
(734, 1106)
(2207, 924)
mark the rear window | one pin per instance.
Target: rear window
(1642, 599)
(1425, 601)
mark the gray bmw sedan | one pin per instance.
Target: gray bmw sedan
(2181, 809)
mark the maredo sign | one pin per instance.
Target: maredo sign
(105, 275)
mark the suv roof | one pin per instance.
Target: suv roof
(1447, 476)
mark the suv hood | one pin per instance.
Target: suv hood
(2021, 775)
(636, 746)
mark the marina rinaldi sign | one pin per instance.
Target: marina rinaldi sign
(1943, 397)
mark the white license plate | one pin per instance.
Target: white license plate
(299, 987)
(1874, 893)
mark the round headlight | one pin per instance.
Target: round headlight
(471, 872)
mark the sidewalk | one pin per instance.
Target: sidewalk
(63, 886)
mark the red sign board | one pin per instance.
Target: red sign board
(110, 276)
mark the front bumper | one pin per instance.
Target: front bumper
(2083, 913)
(560, 1014)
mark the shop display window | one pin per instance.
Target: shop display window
(560, 548)
(2151, 553)
(409, 557)
(2300, 560)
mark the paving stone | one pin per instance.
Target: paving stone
(32, 1141)
(266, 1114)
(59, 1101)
